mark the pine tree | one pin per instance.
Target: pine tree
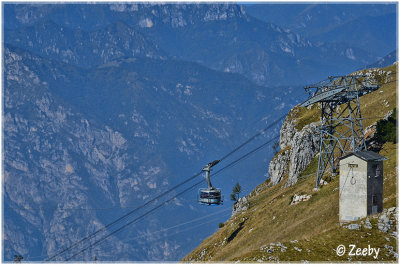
(235, 192)
(237, 188)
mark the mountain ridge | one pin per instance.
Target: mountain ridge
(54, 41)
(263, 52)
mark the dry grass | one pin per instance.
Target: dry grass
(306, 116)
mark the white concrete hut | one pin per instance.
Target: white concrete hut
(361, 185)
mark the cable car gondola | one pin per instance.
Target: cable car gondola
(210, 195)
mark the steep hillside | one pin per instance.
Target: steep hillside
(267, 226)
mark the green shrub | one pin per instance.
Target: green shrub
(221, 225)
(386, 130)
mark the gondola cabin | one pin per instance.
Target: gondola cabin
(210, 196)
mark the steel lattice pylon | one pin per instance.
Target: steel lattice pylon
(341, 129)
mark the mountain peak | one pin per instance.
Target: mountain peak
(179, 15)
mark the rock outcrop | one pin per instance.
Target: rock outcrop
(302, 146)
(240, 206)
(367, 224)
(353, 227)
(305, 145)
(300, 198)
(288, 130)
(279, 166)
(387, 219)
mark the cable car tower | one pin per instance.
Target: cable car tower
(341, 121)
(210, 195)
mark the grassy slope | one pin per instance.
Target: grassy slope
(314, 223)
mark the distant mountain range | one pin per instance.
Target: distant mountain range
(82, 48)
(389, 59)
(227, 39)
(108, 105)
(371, 27)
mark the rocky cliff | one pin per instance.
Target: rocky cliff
(299, 147)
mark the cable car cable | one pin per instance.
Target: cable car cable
(175, 226)
(246, 155)
(168, 191)
(164, 229)
(134, 220)
(253, 137)
(124, 216)
(165, 202)
(127, 207)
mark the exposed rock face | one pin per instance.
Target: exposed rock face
(353, 226)
(369, 132)
(287, 132)
(300, 198)
(386, 117)
(387, 219)
(278, 167)
(240, 206)
(367, 224)
(305, 145)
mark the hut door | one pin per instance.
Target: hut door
(374, 204)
